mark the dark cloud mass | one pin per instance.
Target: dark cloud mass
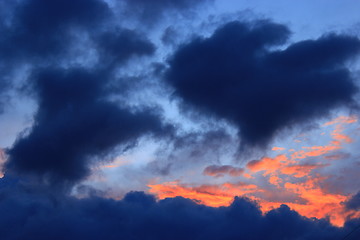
(42, 32)
(151, 12)
(75, 123)
(234, 75)
(29, 215)
(118, 46)
(43, 29)
(353, 202)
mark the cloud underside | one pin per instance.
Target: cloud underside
(235, 75)
(139, 216)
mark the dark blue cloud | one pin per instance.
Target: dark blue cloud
(354, 202)
(39, 33)
(43, 32)
(120, 45)
(151, 12)
(235, 76)
(75, 123)
(26, 214)
(41, 29)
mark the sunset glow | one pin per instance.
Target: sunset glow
(179, 120)
(291, 174)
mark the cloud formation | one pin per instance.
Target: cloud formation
(32, 215)
(221, 170)
(234, 75)
(74, 124)
(78, 59)
(151, 12)
(40, 30)
(301, 179)
(353, 202)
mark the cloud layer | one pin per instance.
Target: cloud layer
(235, 75)
(31, 215)
(74, 124)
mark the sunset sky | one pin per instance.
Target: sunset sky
(179, 119)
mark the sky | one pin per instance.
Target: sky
(179, 119)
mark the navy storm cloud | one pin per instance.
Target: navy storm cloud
(236, 76)
(43, 29)
(151, 12)
(27, 214)
(353, 202)
(74, 124)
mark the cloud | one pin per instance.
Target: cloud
(234, 75)
(37, 32)
(76, 124)
(150, 12)
(278, 149)
(301, 170)
(305, 184)
(267, 164)
(44, 29)
(31, 214)
(354, 202)
(2, 161)
(308, 198)
(207, 194)
(188, 150)
(221, 170)
(119, 45)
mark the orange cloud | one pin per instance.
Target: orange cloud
(297, 184)
(314, 151)
(299, 171)
(221, 170)
(342, 120)
(275, 180)
(267, 164)
(210, 195)
(319, 203)
(337, 136)
(278, 149)
(2, 161)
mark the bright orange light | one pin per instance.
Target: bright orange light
(289, 175)
(300, 171)
(314, 151)
(320, 204)
(210, 195)
(278, 149)
(267, 164)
